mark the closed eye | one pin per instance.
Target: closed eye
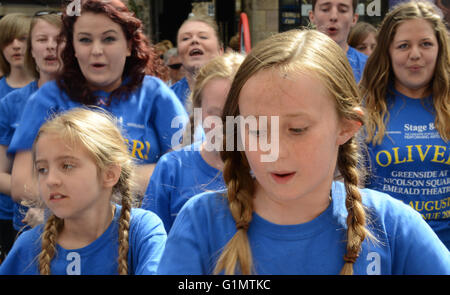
(297, 130)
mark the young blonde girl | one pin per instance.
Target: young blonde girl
(84, 169)
(196, 168)
(287, 215)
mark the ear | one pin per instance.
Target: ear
(355, 19)
(349, 128)
(129, 45)
(311, 17)
(111, 176)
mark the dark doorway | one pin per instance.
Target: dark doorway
(168, 15)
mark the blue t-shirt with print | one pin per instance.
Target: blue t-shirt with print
(181, 89)
(152, 117)
(178, 176)
(412, 163)
(357, 61)
(406, 244)
(147, 238)
(11, 108)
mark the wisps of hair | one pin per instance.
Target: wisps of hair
(100, 134)
(312, 53)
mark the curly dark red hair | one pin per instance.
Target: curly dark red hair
(142, 60)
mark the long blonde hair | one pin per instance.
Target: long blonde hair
(98, 132)
(378, 73)
(312, 53)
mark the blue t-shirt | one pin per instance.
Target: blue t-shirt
(412, 163)
(181, 89)
(12, 101)
(11, 108)
(147, 238)
(5, 88)
(357, 61)
(145, 115)
(406, 244)
(178, 176)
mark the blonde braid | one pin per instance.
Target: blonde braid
(124, 227)
(52, 227)
(356, 219)
(240, 199)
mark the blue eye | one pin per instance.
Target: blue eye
(109, 39)
(67, 166)
(297, 130)
(41, 170)
(84, 40)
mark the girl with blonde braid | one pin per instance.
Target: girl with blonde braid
(285, 213)
(83, 167)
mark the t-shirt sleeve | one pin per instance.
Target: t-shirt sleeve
(169, 117)
(186, 250)
(147, 240)
(22, 259)
(159, 191)
(38, 108)
(417, 250)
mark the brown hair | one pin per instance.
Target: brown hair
(99, 133)
(12, 26)
(354, 4)
(312, 53)
(359, 33)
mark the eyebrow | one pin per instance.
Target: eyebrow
(104, 33)
(60, 158)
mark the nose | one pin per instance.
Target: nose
(52, 178)
(415, 52)
(52, 44)
(194, 40)
(333, 14)
(16, 44)
(97, 48)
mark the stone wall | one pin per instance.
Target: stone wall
(263, 18)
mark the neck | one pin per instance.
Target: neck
(211, 157)
(190, 77)
(293, 211)
(78, 233)
(18, 77)
(344, 46)
(413, 93)
(44, 78)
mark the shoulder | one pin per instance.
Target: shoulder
(354, 54)
(208, 207)
(142, 220)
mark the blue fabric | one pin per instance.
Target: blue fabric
(181, 89)
(145, 115)
(412, 163)
(5, 88)
(357, 61)
(12, 101)
(146, 238)
(406, 244)
(11, 108)
(178, 176)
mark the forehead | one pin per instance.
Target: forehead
(334, 2)
(271, 92)
(90, 22)
(43, 26)
(414, 28)
(191, 27)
